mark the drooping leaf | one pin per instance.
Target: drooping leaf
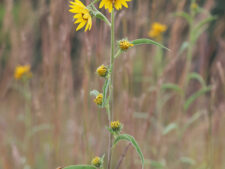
(80, 167)
(204, 22)
(193, 97)
(173, 87)
(198, 77)
(169, 128)
(147, 41)
(184, 15)
(133, 142)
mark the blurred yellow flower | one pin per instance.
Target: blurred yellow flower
(96, 161)
(22, 71)
(194, 6)
(110, 4)
(102, 71)
(115, 125)
(156, 30)
(82, 15)
(124, 45)
(99, 99)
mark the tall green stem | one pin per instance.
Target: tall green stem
(110, 110)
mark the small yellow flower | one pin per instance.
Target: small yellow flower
(194, 6)
(156, 30)
(102, 71)
(96, 161)
(110, 4)
(99, 99)
(82, 15)
(124, 45)
(22, 71)
(116, 125)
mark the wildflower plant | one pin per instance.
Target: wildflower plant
(103, 99)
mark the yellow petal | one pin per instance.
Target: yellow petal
(81, 25)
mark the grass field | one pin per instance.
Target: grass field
(171, 101)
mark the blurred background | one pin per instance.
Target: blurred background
(175, 111)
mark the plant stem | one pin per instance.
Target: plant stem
(110, 100)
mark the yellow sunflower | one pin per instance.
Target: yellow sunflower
(82, 15)
(110, 4)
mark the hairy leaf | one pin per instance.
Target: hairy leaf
(133, 142)
(147, 41)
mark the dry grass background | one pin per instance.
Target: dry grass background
(41, 33)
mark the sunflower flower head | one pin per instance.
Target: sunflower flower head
(156, 31)
(125, 44)
(22, 72)
(99, 99)
(96, 161)
(102, 71)
(110, 4)
(116, 126)
(82, 15)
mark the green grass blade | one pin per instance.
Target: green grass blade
(184, 15)
(204, 22)
(147, 41)
(169, 128)
(80, 167)
(193, 97)
(133, 142)
(197, 77)
(171, 86)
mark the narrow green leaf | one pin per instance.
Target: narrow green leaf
(140, 115)
(183, 47)
(193, 119)
(147, 41)
(94, 93)
(173, 87)
(198, 77)
(133, 142)
(80, 167)
(187, 160)
(37, 129)
(157, 164)
(193, 97)
(203, 22)
(184, 15)
(169, 128)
